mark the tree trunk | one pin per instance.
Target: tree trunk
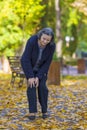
(58, 28)
(5, 65)
(81, 66)
(54, 73)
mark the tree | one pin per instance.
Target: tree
(58, 29)
(17, 18)
(81, 7)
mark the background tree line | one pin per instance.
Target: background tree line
(19, 19)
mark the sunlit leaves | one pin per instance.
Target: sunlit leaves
(16, 18)
(81, 6)
(73, 17)
(30, 12)
(10, 33)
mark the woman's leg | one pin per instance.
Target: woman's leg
(32, 99)
(43, 94)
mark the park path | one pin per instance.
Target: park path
(67, 106)
(72, 70)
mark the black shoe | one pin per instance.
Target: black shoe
(31, 117)
(44, 115)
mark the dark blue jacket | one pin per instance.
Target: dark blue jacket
(30, 56)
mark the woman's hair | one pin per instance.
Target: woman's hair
(47, 31)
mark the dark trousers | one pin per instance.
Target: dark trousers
(42, 96)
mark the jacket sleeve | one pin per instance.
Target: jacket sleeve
(45, 67)
(26, 59)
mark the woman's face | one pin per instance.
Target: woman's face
(45, 39)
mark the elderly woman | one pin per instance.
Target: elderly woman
(35, 62)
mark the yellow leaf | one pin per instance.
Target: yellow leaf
(13, 126)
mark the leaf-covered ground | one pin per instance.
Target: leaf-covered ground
(67, 106)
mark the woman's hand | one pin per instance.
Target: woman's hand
(31, 82)
(36, 81)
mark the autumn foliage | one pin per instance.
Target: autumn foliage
(67, 106)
